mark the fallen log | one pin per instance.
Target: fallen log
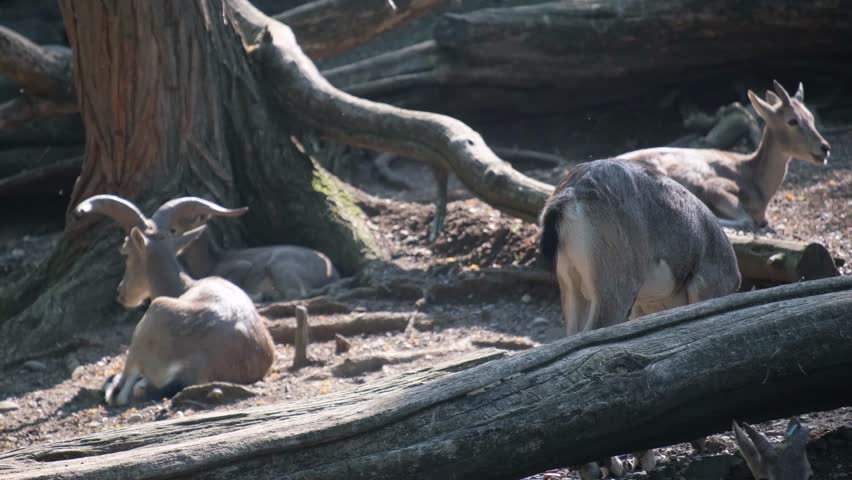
(518, 57)
(671, 377)
(328, 27)
(782, 261)
(43, 76)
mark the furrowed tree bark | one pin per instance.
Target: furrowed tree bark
(157, 127)
(671, 377)
(327, 27)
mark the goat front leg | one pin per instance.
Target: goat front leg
(120, 391)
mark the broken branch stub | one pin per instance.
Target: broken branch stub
(300, 356)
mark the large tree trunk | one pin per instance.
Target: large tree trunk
(157, 126)
(667, 378)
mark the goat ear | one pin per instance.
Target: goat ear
(800, 93)
(188, 237)
(765, 110)
(755, 461)
(138, 239)
(772, 99)
(796, 435)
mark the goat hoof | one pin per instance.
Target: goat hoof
(645, 460)
(107, 383)
(590, 471)
(615, 467)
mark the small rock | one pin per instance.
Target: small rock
(539, 322)
(8, 406)
(180, 413)
(135, 417)
(93, 424)
(526, 298)
(35, 365)
(78, 372)
(71, 363)
(341, 344)
(17, 252)
(420, 304)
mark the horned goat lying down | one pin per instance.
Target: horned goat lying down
(279, 272)
(194, 331)
(627, 241)
(739, 187)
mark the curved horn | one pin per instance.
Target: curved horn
(782, 94)
(185, 213)
(800, 93)
(122, 211)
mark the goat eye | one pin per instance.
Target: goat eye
(793, 122)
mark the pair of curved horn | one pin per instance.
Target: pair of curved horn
(179, 215)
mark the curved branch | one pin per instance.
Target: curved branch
(22, 110)
(39, 71)
(355, 22)
(297, 85)
(43, 76)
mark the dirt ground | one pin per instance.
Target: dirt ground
(58, 396)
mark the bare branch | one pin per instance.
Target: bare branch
(22, 110)
(355, 22)
(39, 71)
(435, 139)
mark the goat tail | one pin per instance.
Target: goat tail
(551, 217)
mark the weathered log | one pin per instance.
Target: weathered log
(38, 71)
(671, 377)
(62, 130)
(782, 261)
(43, 76)
(521, 56)
(327, 27)
(43, 178)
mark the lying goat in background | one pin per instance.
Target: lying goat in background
(627, 241)
(280, 272)
(194, 331)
